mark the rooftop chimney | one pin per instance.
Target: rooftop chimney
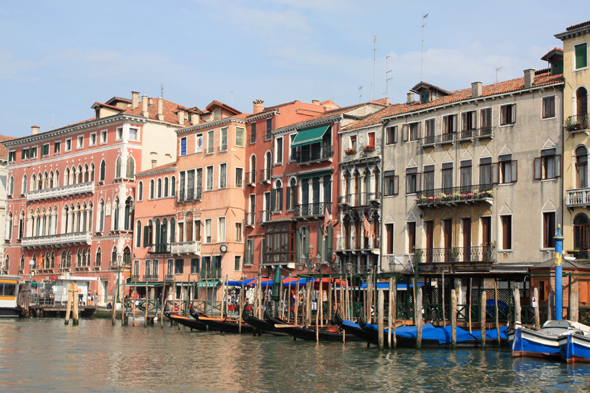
(134, 99)
(144, 106)
(315, 102)
(181, 116)
(529, 78)
(160, 109)
(258, 106)
(476, 89)
(34, 130)
(410, 98)
(195, 118)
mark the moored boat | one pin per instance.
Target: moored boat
(354, 329)
(9, 295)
(308, 333)
(186, 321)
(544, 342)
(574, 347)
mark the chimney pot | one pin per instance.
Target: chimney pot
(195, 119)
(476, 89)
(315, 102)
(410, 99)
(34, 130)
(258, 106)
(134, 99)
(144, 106)
(181, 116)
(529, 78)
(160, 109)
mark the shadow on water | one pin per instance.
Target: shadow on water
(45, 355)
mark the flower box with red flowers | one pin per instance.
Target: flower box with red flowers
(369, 148)
(350, 151)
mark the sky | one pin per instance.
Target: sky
(57, 58)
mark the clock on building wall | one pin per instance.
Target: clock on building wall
(223, 248)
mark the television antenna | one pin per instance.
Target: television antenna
(386, 78)
(422, 55)
(498, 69)
(360, 93)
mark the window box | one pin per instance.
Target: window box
(369, 149)
(350, 152)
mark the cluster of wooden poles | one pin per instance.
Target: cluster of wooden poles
(72, 304)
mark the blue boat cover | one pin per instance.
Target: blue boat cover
(491, 334)
(385, 285)
(350, 323)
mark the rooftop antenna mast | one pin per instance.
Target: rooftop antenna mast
(422, 56)
(360, 93)
(386, 78)
(374, 50)
(498, 69)
(162, 90)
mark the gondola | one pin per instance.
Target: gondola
(354, 329)
(305, 333)
(222, 325)
(186, 321)
(262, 326)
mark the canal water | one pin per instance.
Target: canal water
(44, 355)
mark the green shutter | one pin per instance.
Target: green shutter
(297, 246)
(273, 202)
(145, 236)
(280, 191)
(329, 245)
(581, 56)
(320, 249)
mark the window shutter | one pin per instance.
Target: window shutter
(145, 236)
(273, 202)
(280, 194)
(495, 173)
(514, 171)
(537, 168)
(289, 198)
(513, 114)
(454, 120)
(329, 243)
(419, 129)
(395, 185)
(408, 184)
(297, 246)
(320, 237)
(503, 114)
(558, 165)
(394, 134)
(464, 120)
(418, 180)
(405, 133)
(474, 120)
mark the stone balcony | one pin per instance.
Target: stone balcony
(454, 196)
(193, 247)
(57, 241)
(577, 198)
(58, 192)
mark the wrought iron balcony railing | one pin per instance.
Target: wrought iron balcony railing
(359, 199)
(356, 243)
(454, 254)
(577, 198)
(313, 153)
(313, 209)
(267, 136)
(251, 178)
(265, 216)
(485, 132)
(190, 195)
(210, 273)
(250, 219)
(58, 192)
(159, 249)
(265, 175)
(576, 123)
(454, 195)
(148, 277)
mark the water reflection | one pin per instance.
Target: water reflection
(43, 354)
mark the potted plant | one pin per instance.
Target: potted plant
(350, 151)
(454, 254)
(417, 255)
(369, 148)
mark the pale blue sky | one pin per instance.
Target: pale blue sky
(58, 57)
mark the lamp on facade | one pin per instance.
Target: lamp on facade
(349, 266)
(319, 262)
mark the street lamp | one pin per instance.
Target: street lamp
(31, 264)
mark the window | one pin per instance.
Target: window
(292, 194)
(118, 168)
(507, 114)
(183, 146)
(249, 254)
(173, 186)
(485, 171)
(33, 152)
(505, 171)
(24, 154)
(80, 142)
(411, 132)
(371, 139)
(238, 233)
(210, 141)
(237, 263)
(159, 189)
(548, 107)
(92, 139)
(292, 150)
(119, 134)
(240, 137)
(279, 243)
(581, 167)
(581, 51)
(466, 174)
(429, 177)
(103, 136)
(166, 187)
(449, 127)
(548, 166)
(152, 188)
(208, 230)
(486, 118)
(133, 134)
(194, 265)
(223, 175)
(11, 186)
(239, 177)
(140, 191)
(506, 222)
(548, 229)
(277, 197)
(391, 135)
(268, 126)
(429, 125)
(223, 140)
(68, 144)
(424, 97)
(130, 170)
(412, 181)
(103, 170)
(12, 156)
(581, 232)
(279, 150)
(209, 185)
(179, 266)
(447, 176)
(411, 229)
(353, 142)
(220, 229)
(45, 150)
(138, 234)
(389, 238)
(253, 132)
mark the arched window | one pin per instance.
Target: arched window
(114, 256)
(140, 191)
(173, 186)
(138, 234)
(152, 189)
(158, 232)
(103, 170)
(101, 216)
(127, 256)
(582, 167)
(80, 175)
(98, 260)
(22, 262)
(67, 177)
(51, 179)
(33, 182)
(34, 258)
(189, 226)
(6, 263)
(147, 234)
(40, 182)
(52, 260)
(292, 194)
(130, 171)
(166, 185)
(164, 230)
(128, 214)
(277, 197)
(86, 174)
(159, 188)
(8, 230)
(56, 182)
(11, 186)
(581, 232)
(24, 184)
(92, 172)
(582, 104)
(78, 258)
(78, 218)
(172, 230)
(252, 177)
(118, 168)
(63, 259)
(267, 165)
(116, 214)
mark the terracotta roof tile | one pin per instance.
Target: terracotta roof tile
(100, 104)
(222, 105)
(334, 112)
(3, 149)
(158, 168)
(572, 27)
(170, 111)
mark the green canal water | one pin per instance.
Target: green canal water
(44, 355)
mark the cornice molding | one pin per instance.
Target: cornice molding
(156, 172)
(211, 124)
(309, 124)
(262, 115)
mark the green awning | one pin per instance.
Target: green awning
(142, 284)
(309, 136)
(208, 284)
(316, 174)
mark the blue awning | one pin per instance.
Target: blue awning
(384, 285)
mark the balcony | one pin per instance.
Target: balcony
(312, 209)
(576, 123)
(577, 198)
(252, 138)
(150, 277)
(455, 258)
(159, 249)
(267, 137)
(359, 199)
(429, 140)
(134, 277)
(223, 148)
(190, 195)
(264, 216)
(193, 247)
(210, 273)
(251, 179)
(311, 154)
(169, 277)
(58, 192)
(57, 241)
(250, 219)
(485, 132)
(455, 195)
(466, 135)
(265, 176)
(357, 244)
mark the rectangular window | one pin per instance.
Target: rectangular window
(485, 171)
(12, 156)
(194, 265)
(486, 118)
(466, 174)
(92, 139)
(221, 229)
(57, 148)
(24, 154)
(411, 237)
(389, 238)
(209, 178)
(222, 175)
(548, 166)
(119, 134)
(268, 126)
(548, 107)
(249, 254)
(447, 176)
(133, 134)
(237, 263)
(581, 55)
(45, 150)
(33, 152)
(506, 222)
(429, 125)
(183, 146)
(179, 266)
(80, 142)
(223, 140)
(279, 150)
(253, 132)
(391, 183)
(238, 232)
(240, 137)
(429, 177)
(412, 181)
(292, 150)
(548, 230)
(507, 114)
(239, 177)
(210, 142)
(505, 171)
(450, 124)
(353, 142)
(391, 135)
(371, 139)
(103, 136)
(414, 131)
(208, 230)
(468, 120)
(68, 144)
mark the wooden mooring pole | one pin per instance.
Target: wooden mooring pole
(470, 301)
(146, 305)
(418, 312)
(295, 317)
(517, 310)
(380, 311)
(483, 318)
(497, 312)
(454, 319)
(76, 300)
(114, 303)
(443, 300)
(390, 312)
(69, 305)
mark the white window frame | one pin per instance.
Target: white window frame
(36, 150)
(93, 134)
(180, 147)
(66, 145)
(207, 178)
(276, 149)
(226, 177)
(9, 153)
(119, 134)
(226, 129)
(220, 238)
(587, 57)
(106, 137)
(79, 142)
(236, 136)
(138, 135)
(209, 133)
(241, 232)
(554, 109)
(48, 147)
(236, 176)
(210, 222)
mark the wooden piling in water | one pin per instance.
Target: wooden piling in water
(454, 319)
(296, 303)
(330, 293)
(389, 313)
(574, 307)
(497, 312)
(241, 307)
(147, 306)
(123, 316)
(483, 318)
(134, 296)
(69, 305)
(380, 311)
(114, 303)
(418, 312)
(517, 310)
(320, 306)
(289, 297)
(76, 300)
(163, 305)
(470, 300)
(394, 312)
(443, 300)
(317, 314)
